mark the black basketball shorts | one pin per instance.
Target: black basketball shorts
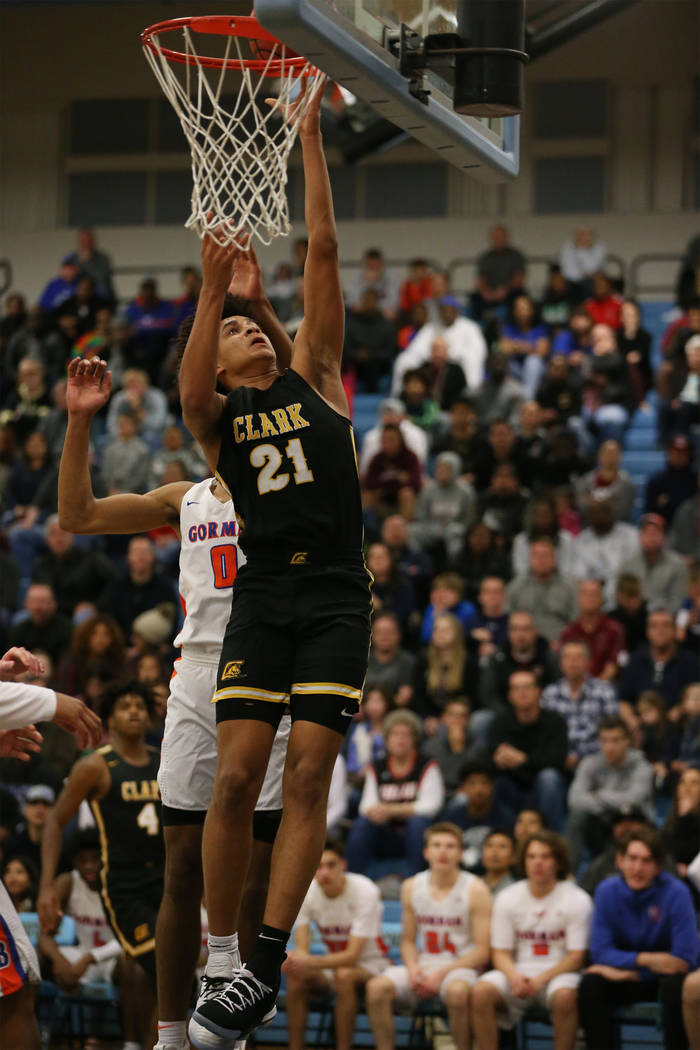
(132, 912)
(299, 638)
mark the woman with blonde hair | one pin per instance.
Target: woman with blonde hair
(443, 671)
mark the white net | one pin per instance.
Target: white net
(240, 145)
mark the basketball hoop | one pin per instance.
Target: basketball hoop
(239, 145)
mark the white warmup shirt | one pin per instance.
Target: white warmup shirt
(541, 930)
(356, 912)
(444, 928)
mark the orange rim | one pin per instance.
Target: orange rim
(245, 27)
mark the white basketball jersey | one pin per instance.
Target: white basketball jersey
(87, 910)
(444, 929)
(356, 912)
(209, 560)
(541, 930)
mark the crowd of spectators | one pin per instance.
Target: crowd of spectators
(535, 652)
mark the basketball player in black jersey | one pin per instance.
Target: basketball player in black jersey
(119, 781)
(299, 626)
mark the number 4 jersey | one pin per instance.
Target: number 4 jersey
(289, 459)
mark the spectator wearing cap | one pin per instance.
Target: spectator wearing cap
(26, 841)
(663, 573)
(602, 548)
(684, 534)
(61, 287)
(603, 636)
(622, 821)
(669, 488)
(465, 342)
(614, 776)
(608, 481)
(393, 410)
(659, 664)
(544, 592)
(581, 700)
(500, 274)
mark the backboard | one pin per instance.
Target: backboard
(347, 39)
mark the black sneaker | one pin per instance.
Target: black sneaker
(233, 1013)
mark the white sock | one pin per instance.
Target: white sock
(172, 1033)
(224, 956)
(130, 1045)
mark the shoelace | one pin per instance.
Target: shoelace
(212, 986)
(243, 991)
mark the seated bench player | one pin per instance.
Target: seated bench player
(347, 910)
(444, 941)
(539, 938)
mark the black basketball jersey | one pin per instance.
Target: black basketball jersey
(289, 461)
(129, 824)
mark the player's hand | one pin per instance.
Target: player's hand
(48, 910)
(296, 964)
(308, 121)
(612, 973)
(89, 386)
(377, 814)
(429, 984)
(247, 281)
(74, 716)
(82, 964)
(520, 987)
(217, 264)
(20, 743)
(65, 974)
(16, 661)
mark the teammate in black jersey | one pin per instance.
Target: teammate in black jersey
(299, 629)
(119, 781)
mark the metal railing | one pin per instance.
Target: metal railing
(667, 286)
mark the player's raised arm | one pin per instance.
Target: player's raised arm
(78, 511)
(248, 284)
(201, 405)
(318, 347)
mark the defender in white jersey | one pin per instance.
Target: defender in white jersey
(95, 956)
(205, 517)
(539, 938)
(346, 909)
(444, 941)
(20, 706)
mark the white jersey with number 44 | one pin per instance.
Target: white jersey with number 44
(208, 527)
(444, 926)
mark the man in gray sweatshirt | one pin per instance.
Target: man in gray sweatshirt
(615, 778)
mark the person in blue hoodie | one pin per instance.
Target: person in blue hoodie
(644, 940)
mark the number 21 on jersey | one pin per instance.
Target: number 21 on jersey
(268, 460)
